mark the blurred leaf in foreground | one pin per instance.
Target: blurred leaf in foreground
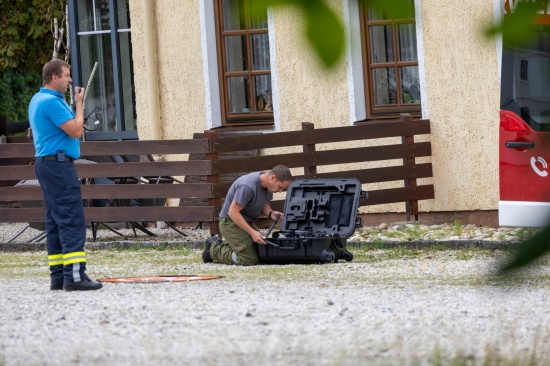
(528, 251)
(323, 27)
(518, 25)
(391, 9)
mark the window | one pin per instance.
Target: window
(390, 59)
(99, 34)
(525, 82)
(243, 64)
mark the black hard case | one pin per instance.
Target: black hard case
(319, 216)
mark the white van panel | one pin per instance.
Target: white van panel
(523, 213)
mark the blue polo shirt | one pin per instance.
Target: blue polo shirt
(47, 111)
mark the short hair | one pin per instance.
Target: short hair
(51, 68)
(282, 173)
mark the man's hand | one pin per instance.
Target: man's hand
(274, 215)
(78, 94)
(75, 127)
(235, 215)
(258, 237)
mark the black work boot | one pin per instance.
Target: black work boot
(206, 258)
(75, 278)
(84, 285)
(56, 285)
(56, 277)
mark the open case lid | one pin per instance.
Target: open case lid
(319, 205)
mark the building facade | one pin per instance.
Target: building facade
(183, 66)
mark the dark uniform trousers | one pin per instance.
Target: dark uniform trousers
(65, 222)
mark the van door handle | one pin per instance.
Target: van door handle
(515, 144)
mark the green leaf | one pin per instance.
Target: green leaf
(11, 30)
(22, 19)
(528, 251)
(516, 26)
(324, 29)
(325, 32)
(9, 50)
(391, 9)
(35, 32)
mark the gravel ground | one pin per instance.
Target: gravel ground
(9, 230)
(387, 307)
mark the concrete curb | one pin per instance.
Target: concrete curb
(418, 244)
(106, 245)
(443, 244)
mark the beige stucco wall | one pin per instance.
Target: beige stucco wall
(307, 91)
(179, 68)
(461, 95)
(461, 98)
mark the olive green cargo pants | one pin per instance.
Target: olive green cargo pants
(237, 248)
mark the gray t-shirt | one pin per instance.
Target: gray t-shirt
(248, 192)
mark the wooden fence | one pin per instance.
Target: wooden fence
(111, 161)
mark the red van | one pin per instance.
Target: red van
(524, 141)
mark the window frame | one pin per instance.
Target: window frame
(372, 111)
(120, 133)
(254, 118)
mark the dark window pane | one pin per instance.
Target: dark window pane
(260, 51)
(85, 15)
(233, 15)
(384, 87)
(93, 15)
(127, 82)
(407, 42)
(410, 85)
(110, 98)
(263, 93)
(100, 102)
(381, 44)
(102, 14)
(245, 78)
(238, 90)
(391, 59)
(527, 65)
(235, 48)
(123, 14)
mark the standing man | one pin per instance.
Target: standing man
(247, 199)
(56, 131)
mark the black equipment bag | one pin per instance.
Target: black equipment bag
(319, 216)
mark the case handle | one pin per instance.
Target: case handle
(272, 243)
(281, 247)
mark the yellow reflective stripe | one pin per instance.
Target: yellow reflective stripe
(55, 259)
(74, 257)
